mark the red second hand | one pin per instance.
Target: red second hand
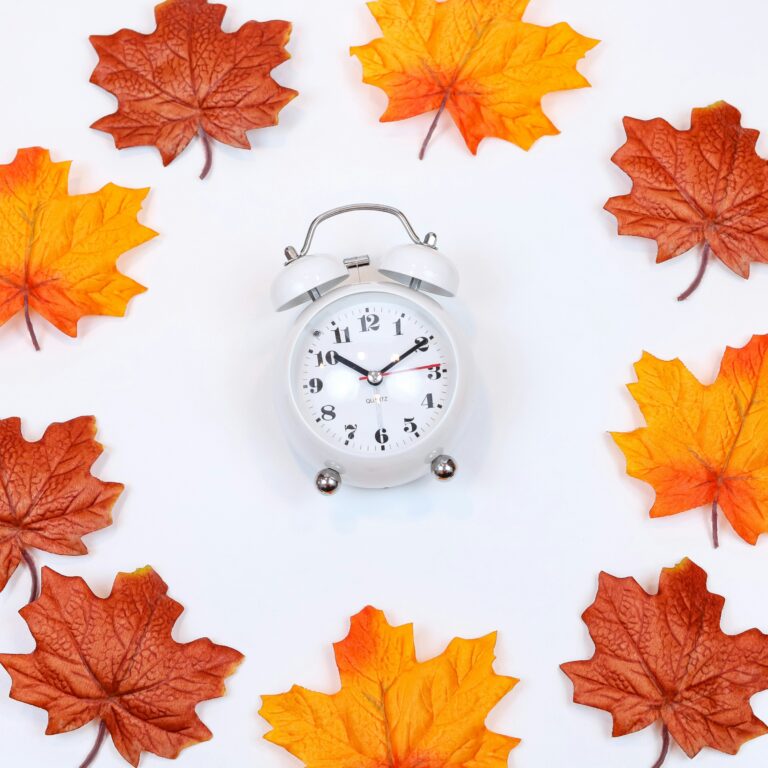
(406, 370)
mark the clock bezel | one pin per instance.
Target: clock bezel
(374, 470)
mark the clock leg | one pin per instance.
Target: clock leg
(443, 467)
(328, 481)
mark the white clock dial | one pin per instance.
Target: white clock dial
(373, 373)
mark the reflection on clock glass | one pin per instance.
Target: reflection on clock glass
(373, 373)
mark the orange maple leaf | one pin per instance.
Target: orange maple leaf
(705, 186)
(392, 709)
(114, 660)
(191, 78)
(664, 657)
(59, 251)
(49, 499)
(704, 444)
(477, 60)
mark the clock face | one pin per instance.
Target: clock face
(373, 373)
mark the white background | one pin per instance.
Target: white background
(557, 308)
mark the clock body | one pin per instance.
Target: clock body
(383, 429)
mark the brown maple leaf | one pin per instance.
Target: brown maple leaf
(705, 186)
(664, 657)
(48, 497)
(114, 660)
(191, 78)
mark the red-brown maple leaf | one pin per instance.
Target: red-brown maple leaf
(189, 78)
(48, 497)
(114, 660)
(664, 657)
(705, 186)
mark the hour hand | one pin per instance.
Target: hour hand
(350, 364)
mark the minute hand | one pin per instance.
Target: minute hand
(402, 357)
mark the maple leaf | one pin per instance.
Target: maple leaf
(59, 251)
(114, 660)
(706, 187)
(48, 497)
(393, 710)
(664, 657)
(704, 444)
(191, 78)
(477, 60)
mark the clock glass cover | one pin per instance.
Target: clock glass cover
(373, 373)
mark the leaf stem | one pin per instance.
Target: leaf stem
(432, 127)
(715, 537)
(705, 253)
(664, 748)
(102, 734)
(206, 139)
(28, 319)
(29, 561)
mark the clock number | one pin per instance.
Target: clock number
(410, 425)
(369, 323)
(423, 343)
(342, 335)
(382, 436)
(328, 412)
(315, 385)
(428, 401)
(350, 429)
(399, 327)
(435, 372)
(329, 358)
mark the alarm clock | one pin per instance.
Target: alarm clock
(372, 379)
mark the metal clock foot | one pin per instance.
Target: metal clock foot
(328, 481)
(443, 467)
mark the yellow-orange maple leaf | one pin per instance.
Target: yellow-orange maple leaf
(393, 710)
(58, 252)
(705, 444)
(477, 60)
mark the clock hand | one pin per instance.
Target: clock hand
(407, 370)
(417, 345)
(350, 364)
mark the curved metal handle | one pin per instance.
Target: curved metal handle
(430, 239)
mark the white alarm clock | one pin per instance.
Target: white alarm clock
(372, 379)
